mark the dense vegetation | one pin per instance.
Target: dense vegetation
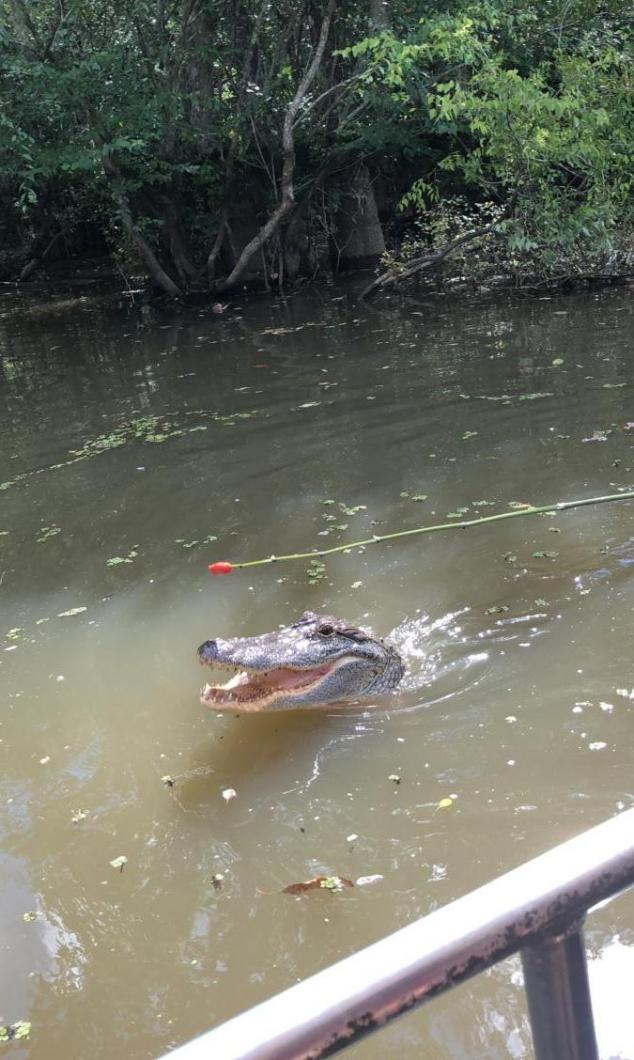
(222, 141)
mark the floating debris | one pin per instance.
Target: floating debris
(334, 884)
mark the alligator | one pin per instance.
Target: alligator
(318, 661)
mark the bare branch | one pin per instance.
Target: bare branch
(287, 200)
(426, 261)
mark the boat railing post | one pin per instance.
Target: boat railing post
(558, 995)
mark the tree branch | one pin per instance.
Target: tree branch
(287, 200)
(426, 261)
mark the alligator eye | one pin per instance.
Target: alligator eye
(325, 630)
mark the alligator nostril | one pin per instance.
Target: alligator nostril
(208, 651)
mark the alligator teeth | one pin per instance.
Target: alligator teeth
(238, 679)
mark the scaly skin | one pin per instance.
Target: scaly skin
(317, 662)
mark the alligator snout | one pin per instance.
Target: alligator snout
(317, 661)
(208, 652)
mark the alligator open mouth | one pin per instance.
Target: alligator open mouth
(251, 690)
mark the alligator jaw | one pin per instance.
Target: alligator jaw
(249, 691)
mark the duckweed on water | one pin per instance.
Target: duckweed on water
(145, 429)
(114, 561)
(48, 531)
(316, 571)
(14, 1031)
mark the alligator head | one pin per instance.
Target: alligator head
(316, 662)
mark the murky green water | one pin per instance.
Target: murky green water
(134, 435)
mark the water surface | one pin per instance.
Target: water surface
(136, 435)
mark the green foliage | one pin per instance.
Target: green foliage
(461, 107)
(530, 107)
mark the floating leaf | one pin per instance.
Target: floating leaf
(496, 609)
(540, 602)
(228, 794)
(72, 611)
(363, 881)
(557, 363)
(419, 497)
(167, 781)
(354, 509)
(395, 777)
(120, 862)
(28, 918)
(545, 555)
(468, 434)
(444, 804)
(79, 815)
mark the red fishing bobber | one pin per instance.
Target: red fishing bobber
(221, 567)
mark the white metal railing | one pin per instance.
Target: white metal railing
(536, 910)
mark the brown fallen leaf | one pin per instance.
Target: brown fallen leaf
(328, 883)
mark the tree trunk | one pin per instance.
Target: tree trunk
(358, 237)
(379, 18)
(147, 255)
(37, 259)
(178, 253)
